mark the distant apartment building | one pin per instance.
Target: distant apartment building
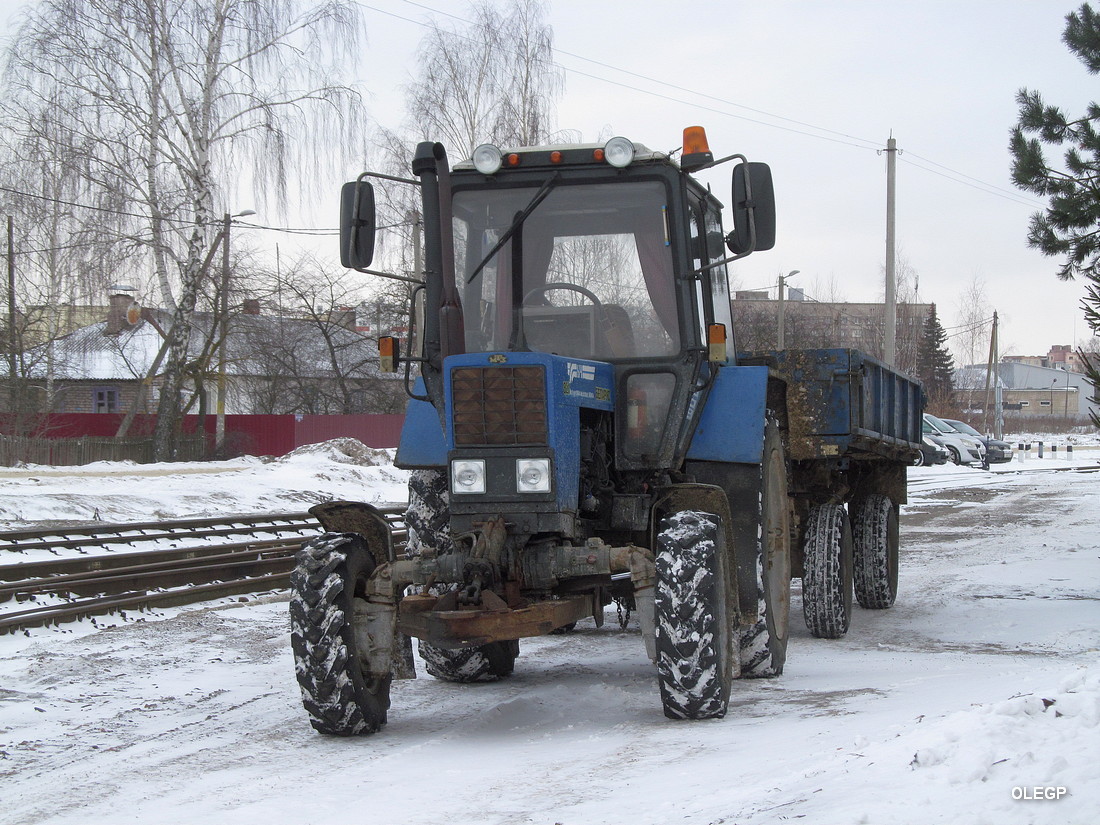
(809, 323)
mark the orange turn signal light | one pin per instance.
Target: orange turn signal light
(388, 349)
(716, 341)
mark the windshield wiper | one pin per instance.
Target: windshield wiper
(517, 222)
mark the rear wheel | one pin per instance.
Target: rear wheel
(764, 645)
(340, 694)
(827, 571)
(875, 543)
(693, 617)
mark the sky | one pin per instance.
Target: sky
(814, 90)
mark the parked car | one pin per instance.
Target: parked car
(964, 449)
(996, 451)
(931, 452)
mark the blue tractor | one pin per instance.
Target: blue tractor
(580, 430)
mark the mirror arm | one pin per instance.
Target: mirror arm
(380, 176)
(714, 163)
(388, 275)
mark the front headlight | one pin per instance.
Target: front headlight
(533, 475)
(468, 476)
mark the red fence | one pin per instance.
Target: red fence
(244, 434)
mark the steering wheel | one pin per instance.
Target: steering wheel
(539, 290)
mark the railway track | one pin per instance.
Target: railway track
(96, 570)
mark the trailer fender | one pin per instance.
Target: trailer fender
(731, 425)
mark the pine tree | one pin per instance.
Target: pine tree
(1067, 227)
(935, 366)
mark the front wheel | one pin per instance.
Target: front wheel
(956, 456)
(692, 592)
(485, 663)
(340, 694)
(827, 571)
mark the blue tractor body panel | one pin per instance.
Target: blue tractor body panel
(422, 444)
(731, 426)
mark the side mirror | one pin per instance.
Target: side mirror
(357, 224)
(753, 209)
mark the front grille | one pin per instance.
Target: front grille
(498, 406)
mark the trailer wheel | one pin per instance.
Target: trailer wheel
(486, 663)
(694, 648)
(827, 571)
(875, 543)
(764, 645)
(340, 695)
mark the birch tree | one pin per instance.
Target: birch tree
(177, 109)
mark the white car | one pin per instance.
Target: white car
(963, 448)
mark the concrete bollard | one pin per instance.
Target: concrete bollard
(1069, 452)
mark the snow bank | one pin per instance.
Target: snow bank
(117, 491)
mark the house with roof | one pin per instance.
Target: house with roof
(316, 365)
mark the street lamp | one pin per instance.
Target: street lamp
(223, 323)
(782, 319)
(1052, 383)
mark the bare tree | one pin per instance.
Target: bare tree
(309, 356)
(170, 100)
(493, 80)
(975, 324)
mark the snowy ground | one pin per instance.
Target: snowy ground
(981, 685)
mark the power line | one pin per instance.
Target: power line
(819, 132)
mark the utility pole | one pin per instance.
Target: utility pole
(11, 313)
(998, 400)
(223, 332)
(889, 344)
(782, 320)
(223, 326)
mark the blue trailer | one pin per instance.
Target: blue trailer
(580, 429)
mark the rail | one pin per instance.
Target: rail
(109, 580)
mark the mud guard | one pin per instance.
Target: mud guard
(367, 521)
(731, 426)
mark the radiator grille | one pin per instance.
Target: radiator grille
(498, 405)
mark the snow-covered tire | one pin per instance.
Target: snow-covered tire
(764, 644)
(428, 521)
(827, 571)
(486, 663)
(341, 697)
(875, 545)
(428, 516)
(694, 649)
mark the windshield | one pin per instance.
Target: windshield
(594, 275)
(937, 425)
(963, 427)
